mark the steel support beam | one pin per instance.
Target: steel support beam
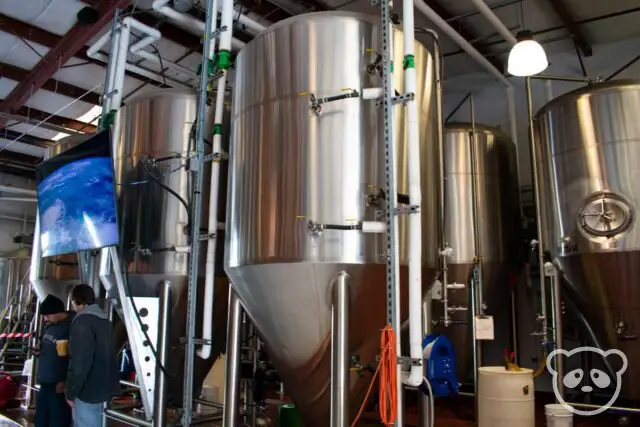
(465, 32)
(27, 139)
(74, 125)
(17, 74)
(72, 42)
(578, 35)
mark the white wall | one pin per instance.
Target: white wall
(8, 227)
(490, 95)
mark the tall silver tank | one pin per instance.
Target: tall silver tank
(289, 167)
(498, 222)
(153, 222)
(588, 143)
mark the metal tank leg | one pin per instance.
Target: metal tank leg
(232, 380)
(164, 329)
(340, 352)
(558, 338)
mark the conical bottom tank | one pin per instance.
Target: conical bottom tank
(298, 174)
(588, 146)
(496, 226)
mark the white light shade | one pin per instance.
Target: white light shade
(527, 57)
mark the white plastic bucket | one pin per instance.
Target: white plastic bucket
(558, 415)
(505, 398)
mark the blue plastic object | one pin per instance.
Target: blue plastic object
(440, 365)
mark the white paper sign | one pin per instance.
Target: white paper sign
(26, 370)
(484, 328)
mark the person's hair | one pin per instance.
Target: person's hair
(83, 295)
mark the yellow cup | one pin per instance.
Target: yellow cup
(62, 347)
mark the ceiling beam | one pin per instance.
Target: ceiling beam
(265, 9)
(34, 114)
(49, 40)
(72, 42)
(577, 33)
(16, 74)
(12, 135)
(465, 32)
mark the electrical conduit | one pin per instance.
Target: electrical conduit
(222, 62)
(210, 267)
(415, 198)
(190, 23)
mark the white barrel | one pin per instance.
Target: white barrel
(558, 415)
(505, 398)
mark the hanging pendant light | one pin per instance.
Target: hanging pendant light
(527, 57)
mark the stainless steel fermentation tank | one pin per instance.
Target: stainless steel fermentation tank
(498, 227)
(588, 144)
(159, 125)
(289, 167)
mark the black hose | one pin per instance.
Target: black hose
(170, 191)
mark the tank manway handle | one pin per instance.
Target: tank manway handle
(363, 226)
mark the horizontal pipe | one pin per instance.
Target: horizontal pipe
(129, 384)
(16, 218)
(208, 403)
(19, 199)
(610, 408)
(126, 418)
(563, 78)
(17, 190)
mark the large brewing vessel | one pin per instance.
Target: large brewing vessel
(588, 144)
(153, 185)
(292, 167)
(497, 226)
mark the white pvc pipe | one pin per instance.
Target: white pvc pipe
(210, 266)
(495, 21)
(121, 61)
(415, 197)
(189, 23)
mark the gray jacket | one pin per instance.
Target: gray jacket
(93, 375)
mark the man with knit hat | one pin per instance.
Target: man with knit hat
(53, 361)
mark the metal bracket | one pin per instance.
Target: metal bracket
(407, 361)
(197, 341)
(215, 157)
(206, 237)
(403, 99)
(407, 210)
(217, 33)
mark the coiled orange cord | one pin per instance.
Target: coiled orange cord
(388, 380)
(388, 377)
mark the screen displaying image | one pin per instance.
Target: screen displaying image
(76, 198)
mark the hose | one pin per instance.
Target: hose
(432, 414)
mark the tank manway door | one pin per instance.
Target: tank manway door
(604, 216)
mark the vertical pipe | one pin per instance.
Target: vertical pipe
(340, 352)
(536, 194)
(34, 329)
(232, 380)
(164, 329)
(558, 329)
(514, 324)
(198, 164)
(476, 285)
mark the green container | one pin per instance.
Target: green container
(288, 416)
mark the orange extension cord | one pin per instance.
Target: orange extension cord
(388, 398)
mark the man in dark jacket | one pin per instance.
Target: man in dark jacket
(53, 360)
(93, 371)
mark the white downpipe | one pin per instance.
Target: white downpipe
(415, 198)
(189, 23)
(495, 21)
(210, 267)
(121, 61)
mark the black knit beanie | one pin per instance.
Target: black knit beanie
(51, 305)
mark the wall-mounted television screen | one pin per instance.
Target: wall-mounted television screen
(76, 198)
